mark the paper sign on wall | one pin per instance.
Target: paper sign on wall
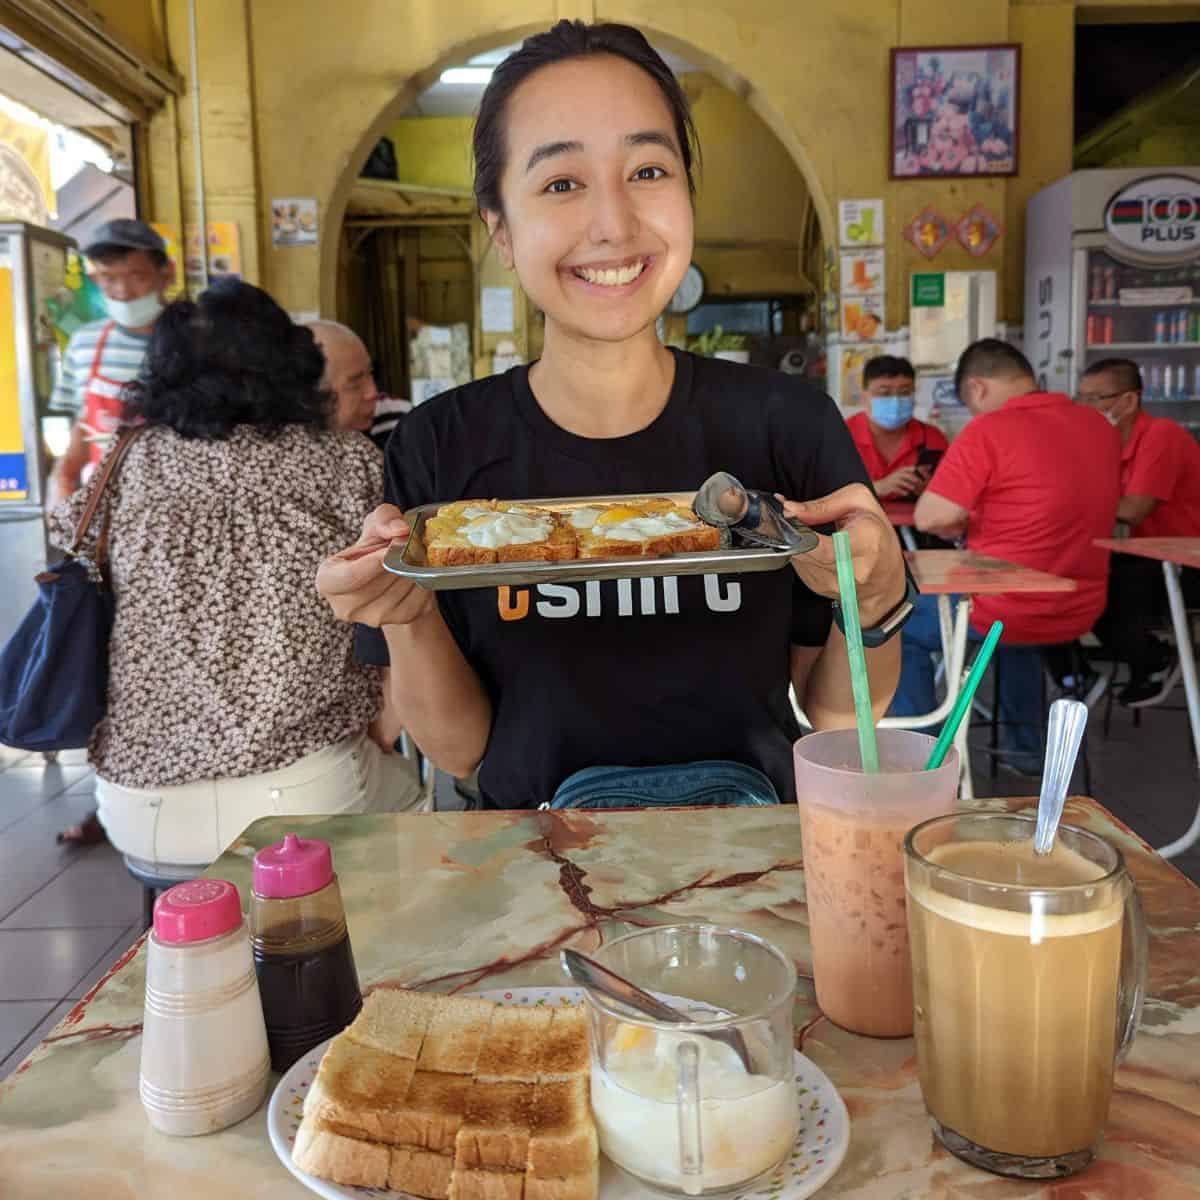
(862, 272)
(860, 223)
(294, 221)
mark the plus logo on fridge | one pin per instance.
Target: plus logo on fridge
(1158, 215)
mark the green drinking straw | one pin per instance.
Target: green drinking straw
(965, 697)
(859, 682)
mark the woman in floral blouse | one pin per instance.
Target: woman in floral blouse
(233, 691)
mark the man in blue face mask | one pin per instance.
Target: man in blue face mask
(128, 263)
(898, 451)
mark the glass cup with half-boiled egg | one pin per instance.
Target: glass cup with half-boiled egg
(708, 1107)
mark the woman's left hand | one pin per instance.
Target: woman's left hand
(874, 546)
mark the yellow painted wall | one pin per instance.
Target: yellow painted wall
(319, 92)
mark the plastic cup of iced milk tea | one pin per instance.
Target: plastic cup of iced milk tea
(852, 828)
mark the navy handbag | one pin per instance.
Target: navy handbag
(54, 668)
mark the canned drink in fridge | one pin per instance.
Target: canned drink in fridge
(1160, 327)
(1110, 283)
(1096, 290)
(1154, 384)
(1196, 383)
(1106, 332)
(1093, 329)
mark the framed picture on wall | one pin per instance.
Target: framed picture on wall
(954, 111)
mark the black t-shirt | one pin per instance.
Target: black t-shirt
(629, 672)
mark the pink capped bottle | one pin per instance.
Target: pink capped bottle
(204, 1047)
(302, 953)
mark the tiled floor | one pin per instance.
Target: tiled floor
(66, 914)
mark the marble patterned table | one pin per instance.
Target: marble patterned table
(466, 900)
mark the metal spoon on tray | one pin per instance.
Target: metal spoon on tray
(756, 517)
(1068, 719)
(588, 973)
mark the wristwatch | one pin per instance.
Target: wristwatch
(893, 621)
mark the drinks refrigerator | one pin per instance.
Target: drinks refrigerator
(32, 271)
(1113, 271)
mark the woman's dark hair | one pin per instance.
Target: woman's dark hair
(568, 40)
(233, 357)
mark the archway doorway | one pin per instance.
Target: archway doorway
(413, 273)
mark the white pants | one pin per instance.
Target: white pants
(192, 823)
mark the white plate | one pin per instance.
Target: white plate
(820, 1147)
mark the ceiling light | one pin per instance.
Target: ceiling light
(475, 75)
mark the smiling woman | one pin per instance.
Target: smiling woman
(584, 147)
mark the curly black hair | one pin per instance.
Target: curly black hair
(233, 357)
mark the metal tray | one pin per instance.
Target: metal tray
(407, 558)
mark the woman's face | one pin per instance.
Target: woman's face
(597, 214)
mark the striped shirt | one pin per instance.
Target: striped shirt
(121, 362)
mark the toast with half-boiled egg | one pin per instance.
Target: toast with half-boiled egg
(470, 532)
(649, 528)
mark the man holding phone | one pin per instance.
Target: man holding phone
(899, 452)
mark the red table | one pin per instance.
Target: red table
(942, 572)
(1173, 553)
(900, 512)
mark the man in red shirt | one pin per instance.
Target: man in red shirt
(1160, 497)
(898, 451)
(1031, 479)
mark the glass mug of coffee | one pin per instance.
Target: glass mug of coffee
(1028, 976)
(676, 1107)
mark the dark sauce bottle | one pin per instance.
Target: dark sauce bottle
(306, 975)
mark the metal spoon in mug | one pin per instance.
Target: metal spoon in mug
(590, 974)
(1068, 719)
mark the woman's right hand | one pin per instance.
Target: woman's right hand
(357, 587)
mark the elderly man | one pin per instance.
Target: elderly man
(347, 374)
(128, 262)
(1160, 497)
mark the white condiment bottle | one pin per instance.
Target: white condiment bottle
(205, 1063)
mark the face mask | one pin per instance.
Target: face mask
(133, 314)
(892, 412)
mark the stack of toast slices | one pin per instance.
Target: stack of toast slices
(471, 532)
(454, 1098)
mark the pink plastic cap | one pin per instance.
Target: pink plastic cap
(294, 867)
(196, 911)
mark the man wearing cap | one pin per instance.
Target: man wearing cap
(128, 262)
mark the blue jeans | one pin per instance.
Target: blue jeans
(1020, 680)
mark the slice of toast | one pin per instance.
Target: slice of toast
(564, 1048)
(394, 1020)
(455, 1035)
(495, 1127)
(345, 1160)
(649, 528)
(471, 532)
(562, 1140)
(470, 1184)
(514, 1044)
(583, 1186)
(420, 1172)
(361, 1091)
(433, 1112)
